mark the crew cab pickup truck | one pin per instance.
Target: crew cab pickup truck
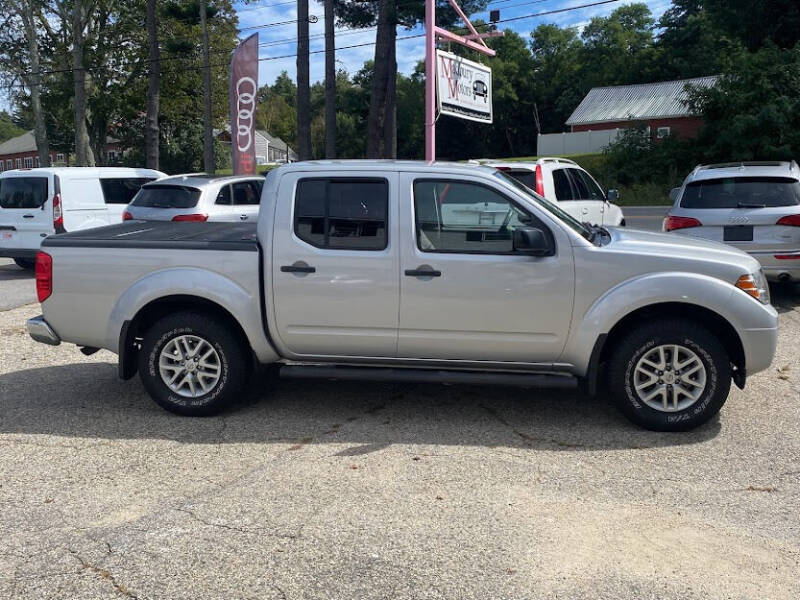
(410, 271)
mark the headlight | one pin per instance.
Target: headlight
(756, 285)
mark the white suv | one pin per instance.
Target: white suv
(754, 206)
(565, 182)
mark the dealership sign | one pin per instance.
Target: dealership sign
(463, 88)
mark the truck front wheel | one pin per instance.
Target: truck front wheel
(192, 364)
(669, 375)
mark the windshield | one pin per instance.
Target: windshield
(23, 192)
(167, 196)
(554, 210)
(742, 192)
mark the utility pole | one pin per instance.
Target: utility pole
(151, 134)
(303, 83)
(330, 83)
(208, 139)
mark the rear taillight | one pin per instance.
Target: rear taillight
(539, 181)
(195, 217)
(790, 220)
(44, 276)
(793, 256)
(58, 214)
(672, 223)
(126, 216)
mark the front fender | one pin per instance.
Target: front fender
(242, 304)
(736, 307)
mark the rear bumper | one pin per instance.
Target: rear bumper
(40, 331)
(17, 253)
(779, 269)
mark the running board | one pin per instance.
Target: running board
(427, 376)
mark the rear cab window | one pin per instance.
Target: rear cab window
(121, 190)
(563, 188)
(23, 192)
(741, 192)
(342, 213)
(167, 196)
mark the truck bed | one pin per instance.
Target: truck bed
(162, 235)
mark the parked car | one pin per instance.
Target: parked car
(35, 203)
(198, 197)
(567, 183)
(415, 272)
(754, 206)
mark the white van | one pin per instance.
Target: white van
(35, 203)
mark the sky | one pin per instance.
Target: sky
(279, 40)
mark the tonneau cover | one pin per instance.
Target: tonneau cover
(162, 234)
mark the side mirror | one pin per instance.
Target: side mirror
(612, 195)
(533, 241)
(673, 194)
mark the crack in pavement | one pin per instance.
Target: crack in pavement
(103, 574)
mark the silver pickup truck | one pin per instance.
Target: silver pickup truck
(412, 272)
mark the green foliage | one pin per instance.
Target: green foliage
(754, 110)
(8, 129)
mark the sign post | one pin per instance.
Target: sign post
(474, 41)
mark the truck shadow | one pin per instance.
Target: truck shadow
(86, 400)
(785, 296)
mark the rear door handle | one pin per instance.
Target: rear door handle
(27, 216)
(423, 271)
(243, 217)
(298, 267)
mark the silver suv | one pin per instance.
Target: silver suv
(754, 206)
(197, 197)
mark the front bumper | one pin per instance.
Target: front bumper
(759, 348)
(40, 331)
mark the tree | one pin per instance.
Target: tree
(303, 89)
(8, 129)
(754, 23)
(208, 136)
(753, 112)
(151, 137)
(28, 64)
(330, 82)
(81, 13)
(387, 15)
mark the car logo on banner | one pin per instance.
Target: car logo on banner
(463, 88)
(739, 220)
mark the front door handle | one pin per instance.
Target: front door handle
(298, 267)
(423, 271)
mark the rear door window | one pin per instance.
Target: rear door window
(167, 196)
(562, 185)
(23, 192)
(122, 190)
(245, 192)
(742, 192)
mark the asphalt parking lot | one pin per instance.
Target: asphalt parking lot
(359, 490)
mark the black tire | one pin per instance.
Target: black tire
(26, 263)
(646, 338)
(233, 359)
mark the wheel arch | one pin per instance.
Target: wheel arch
(711, 320)
(133, 330)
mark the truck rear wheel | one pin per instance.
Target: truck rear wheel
(192, 364)
(669, 375)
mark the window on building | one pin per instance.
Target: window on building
(28, 162)
(342, 213)
(18, 163)
(60, 158)
(9, 164)
(36, 162)
(1, 166)
(663, 132)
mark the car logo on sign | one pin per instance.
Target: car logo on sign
(739, 220)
